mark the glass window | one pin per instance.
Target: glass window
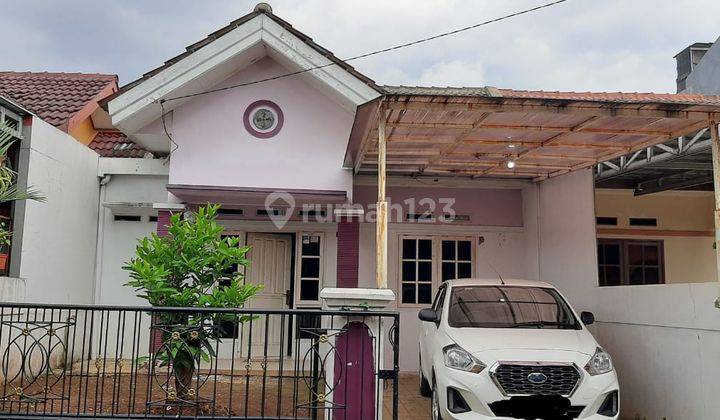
(456, 259)
(416, 271)
(629, 262)
(508, 307)
(310, 268)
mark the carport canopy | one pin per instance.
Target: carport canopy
(504, 133)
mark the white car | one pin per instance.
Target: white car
(512, 349)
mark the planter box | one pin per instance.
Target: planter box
(354, 298)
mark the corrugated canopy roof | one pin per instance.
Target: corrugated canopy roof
(477, 131)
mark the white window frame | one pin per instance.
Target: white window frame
(298, 265)
(473, 251)
(400, 259)
(436, 262)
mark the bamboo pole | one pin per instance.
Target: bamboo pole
(716, 187)
(381, 224)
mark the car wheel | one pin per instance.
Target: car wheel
(425, 389)
(435, 404)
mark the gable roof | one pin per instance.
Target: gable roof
(221, 54)
(232, 25)
(56, 97)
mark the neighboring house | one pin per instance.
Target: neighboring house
(481, 181)
(58, 120)
(699, 68)
(656, 243)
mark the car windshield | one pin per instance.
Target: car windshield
(509, 307)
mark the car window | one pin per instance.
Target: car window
(439, 299)
(509, 307)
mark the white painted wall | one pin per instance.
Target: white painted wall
(665, 342)
(58, 236)
(120, 237)
(567, 247)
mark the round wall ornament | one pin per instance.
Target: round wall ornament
(263, 119)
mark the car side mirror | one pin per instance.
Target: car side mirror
(428, 315)
(587, 318)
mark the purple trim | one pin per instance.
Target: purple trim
(356, 389)
(267, 104)
(348, 252)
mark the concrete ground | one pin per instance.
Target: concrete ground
(411, 405)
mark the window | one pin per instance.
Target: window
(427, 261)
(416, 270)
(630, 262)
(509, 307)
(310, 268)
(606, 221)
(439, 300)
(456, 259)
(642, 221)
(609, 262)
(126, 218)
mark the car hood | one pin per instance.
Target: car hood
(479, 340)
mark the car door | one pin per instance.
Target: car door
(429, 331)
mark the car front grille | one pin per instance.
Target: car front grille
(515, 378)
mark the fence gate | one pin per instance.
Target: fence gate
(140, 362)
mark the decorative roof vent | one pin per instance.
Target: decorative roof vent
(262, 7)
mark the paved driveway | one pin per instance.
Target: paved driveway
(412, 406)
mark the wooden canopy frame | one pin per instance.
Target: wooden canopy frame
(448, 134)
(486, 132)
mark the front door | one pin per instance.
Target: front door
(270, 261)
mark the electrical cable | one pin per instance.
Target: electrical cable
(382, 51)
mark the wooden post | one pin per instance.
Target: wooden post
(716, 187)
(381, 224)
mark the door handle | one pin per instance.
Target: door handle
(288, 298)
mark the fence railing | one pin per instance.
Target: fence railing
(142, 362)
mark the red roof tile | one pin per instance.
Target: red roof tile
(111, 143)
(54, 97)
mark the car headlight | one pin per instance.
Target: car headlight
(457, 358)
(600, 363)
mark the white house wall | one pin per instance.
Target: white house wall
(58, 236)
(567, 244)
(120, 237)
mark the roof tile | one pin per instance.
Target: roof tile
(112, 143)
(54, 97)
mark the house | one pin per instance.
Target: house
(698, 68)
(337, 181)
(59, 122)
(305, 155)
(656, 243)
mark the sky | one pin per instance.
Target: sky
(579, 45)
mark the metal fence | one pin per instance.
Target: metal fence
(141, 362)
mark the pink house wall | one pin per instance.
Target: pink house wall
(486, 207)
(214, 148)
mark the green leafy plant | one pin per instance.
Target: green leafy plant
(193, 266)
(9, 190)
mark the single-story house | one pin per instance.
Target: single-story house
(306, 155)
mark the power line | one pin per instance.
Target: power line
(382, 51)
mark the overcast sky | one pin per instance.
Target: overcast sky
(600, 45)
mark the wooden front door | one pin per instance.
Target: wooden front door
(270, 262)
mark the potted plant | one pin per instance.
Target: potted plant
(190, 267)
